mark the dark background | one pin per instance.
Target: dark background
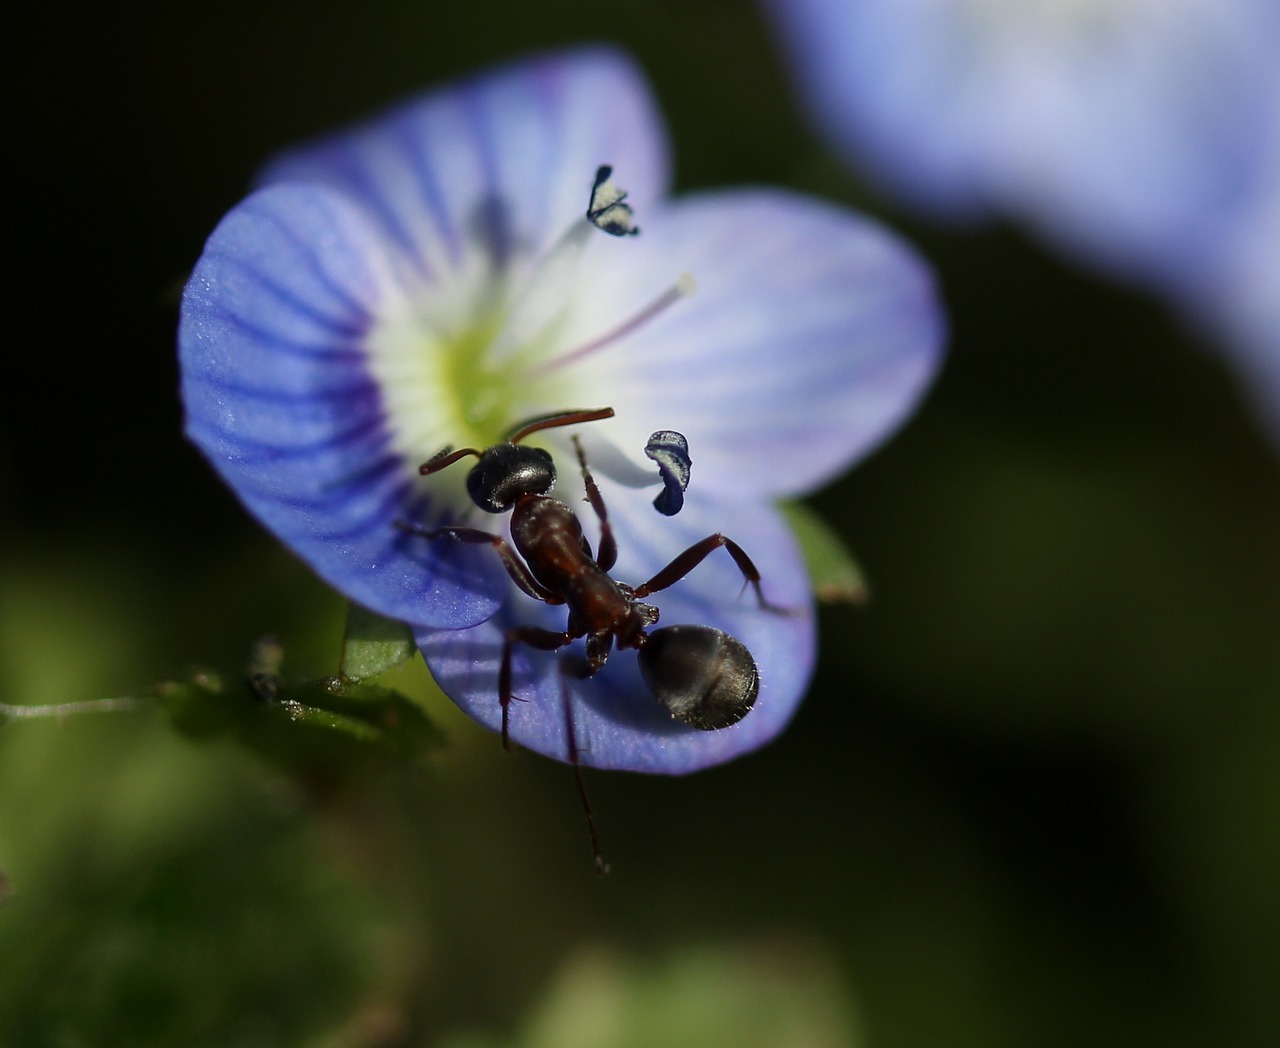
(1032, 799)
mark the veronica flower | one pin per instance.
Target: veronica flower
(431, 279)
(1130, 132)
(1241, 293)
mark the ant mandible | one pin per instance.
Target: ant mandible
(703, 676)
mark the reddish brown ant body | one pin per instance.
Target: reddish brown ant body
(704, 677)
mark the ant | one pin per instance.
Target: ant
(703, 676)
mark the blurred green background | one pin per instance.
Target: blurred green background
(1033, 798)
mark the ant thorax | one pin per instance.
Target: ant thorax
(549, 536)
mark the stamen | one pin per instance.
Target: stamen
(682, 288)
(547, 292)
(670, 451)
(607, 210)
(542, 300)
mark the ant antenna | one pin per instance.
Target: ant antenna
(446, 456)
(561, 418)
(602, 867)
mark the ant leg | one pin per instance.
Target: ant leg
(535, 637)
(695, 555)
(520, 575)
(571, 739)
(608, 555)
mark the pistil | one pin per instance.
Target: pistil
(684, 286)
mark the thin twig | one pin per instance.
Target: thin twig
(64, 709)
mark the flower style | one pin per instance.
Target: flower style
(432, 279)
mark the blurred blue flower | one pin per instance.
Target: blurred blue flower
(1241, 291)
(1128, 130)
(430, 279)
(1140, 136)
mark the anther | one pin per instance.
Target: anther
(542, 300)
(606, 210)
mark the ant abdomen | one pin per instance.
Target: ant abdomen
(703, 676)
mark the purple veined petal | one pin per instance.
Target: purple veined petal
(1125, 132)
(279, 397)
(618, 723)
(490, 171)
(811, 335)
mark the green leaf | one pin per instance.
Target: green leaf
(366, 711)
(317, 730)
(373, 644)
(199, 707)
(326, 731)
(836, 575)
(740, 995)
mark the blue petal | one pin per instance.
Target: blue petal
(1125, 132)
(503, 162)
(841, 52)
(811, 336)
(1243, 302)
(618, 724)
(278, 395)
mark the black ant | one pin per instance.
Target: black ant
(704, 677)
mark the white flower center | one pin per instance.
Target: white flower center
(461, 362)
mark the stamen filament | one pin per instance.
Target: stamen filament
(682, 288)
(543, 297)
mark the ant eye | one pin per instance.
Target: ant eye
(704, 677)
(670, 451)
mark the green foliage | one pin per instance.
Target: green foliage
(313, 728)
(761, 995)
(200, 917)
(1033, 798)
(836, 576)
(372, 644)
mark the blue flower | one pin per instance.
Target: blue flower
(431, 279)
(1241, 294)
(1130, 132)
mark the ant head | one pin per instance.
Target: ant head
(507, 472)
(704, 677)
